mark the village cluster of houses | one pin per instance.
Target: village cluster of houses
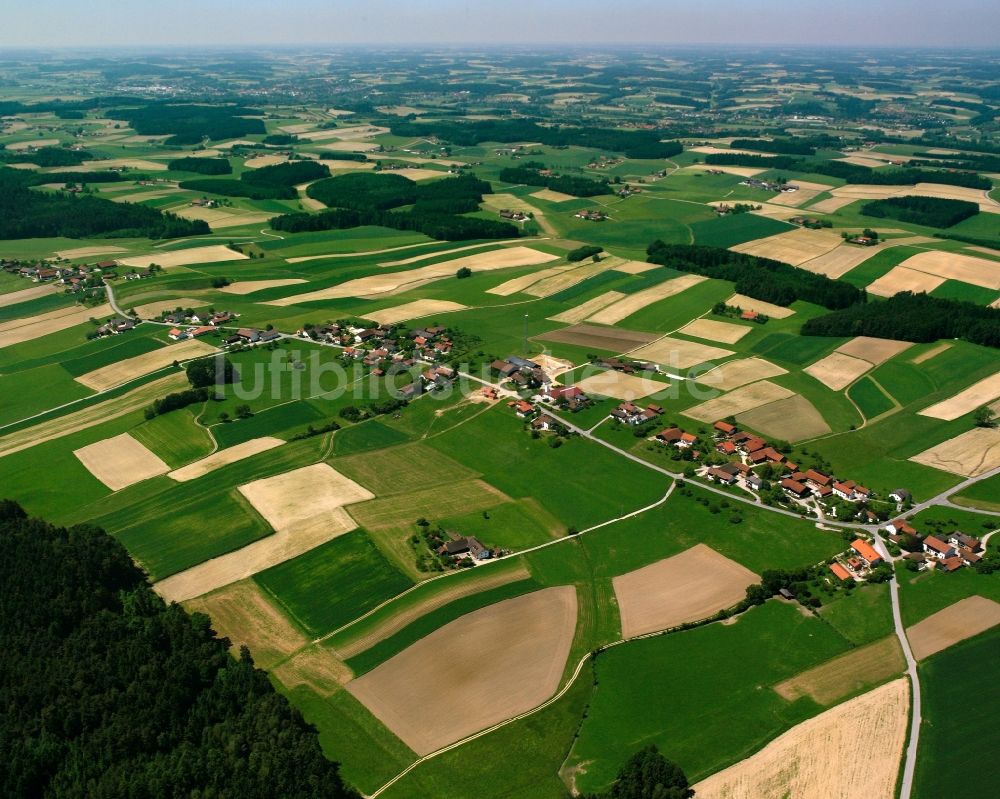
(947, 553)
(592, 215)
(74, 278)
(194, 325)
(627, 191)
(604, 162)
(769, 185)
(115, 326)
(385, 351)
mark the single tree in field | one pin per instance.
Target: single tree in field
(984, 417)
(649, 775)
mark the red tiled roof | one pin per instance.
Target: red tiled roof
(840, 572)
(865, 550)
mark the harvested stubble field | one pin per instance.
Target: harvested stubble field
(866, 192)
(397, 282)
(604, 338)
(677, 353)
(832, 681)
(766, 308)
(836, 371)
(265, 160)
(710, 329)
(553, 196)
(900, 278)
(791, 419)
(687, 587)
(212, 253)
(518, 284)
(432, 693)
(17, 331)
(874, 350)
(831, 204)
(218, 218)
(242, 613)
(794, 247)
(400, 511)
(634, 267)
(851, 751)
(588, 308)
(955, 623)
(120, 461)
(739, 400)
(241, 287)
(980, 393)
(305, 508)
(734, 374)
(224, 457)
(15, 297)
(840, 261)
(426, 256)
(93, 415)
(620, 386)
(636, 302)
(413, 310)
(970, 454)
(956, 266)
(553, 284)
(452, 592)
(116, 374)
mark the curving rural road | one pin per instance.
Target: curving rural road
(916, 718)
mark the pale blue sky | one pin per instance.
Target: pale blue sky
(55, 23)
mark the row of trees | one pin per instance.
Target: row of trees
(632, 143)
(203, 166)
(930, 211)
(33, 214)
(191, 123)
(47, 157)
(760, 278)
(530, 174)
(108, 692)
(912, 317)
(367, 199)
(275, 182)
(851, 173)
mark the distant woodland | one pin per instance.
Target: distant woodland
(852, 173)
(107, 692)
(633, 143)
(912, 317)
(26, 213)
(931, 211)
(760, 278)
(191, 123)
(368, 199)
(530, 174)
(275, 182)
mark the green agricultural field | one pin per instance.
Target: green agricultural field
(984, 494)
(863, 616)
(30, 391)
(570, 482)
(334, 583)
(952, 713)
(654, 690)
(870, 399)
(733, 229)
(367, 436)
(176, 437)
